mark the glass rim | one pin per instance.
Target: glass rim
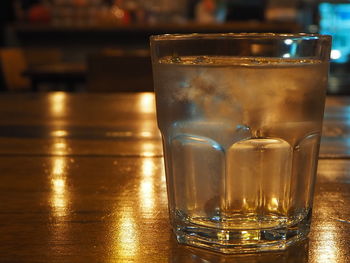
(267, 36)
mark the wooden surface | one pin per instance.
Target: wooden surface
(82, 180)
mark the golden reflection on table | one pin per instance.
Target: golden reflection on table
(59, 193)
(59, 200)
(59, 147)
(147, 194)
(126, 239)
(146, 134)
(146, 103)
(148, 149)
(59, 133)
(86, 183)
(58, 109)
(327, 247)
(57, 101)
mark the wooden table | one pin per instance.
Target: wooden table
(82, 180)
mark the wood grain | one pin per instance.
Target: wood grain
(95, 192)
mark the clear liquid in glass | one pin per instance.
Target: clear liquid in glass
(241, 139)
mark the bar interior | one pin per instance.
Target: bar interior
(99, 45)
(82, 177)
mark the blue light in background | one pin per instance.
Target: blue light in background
(335, 21)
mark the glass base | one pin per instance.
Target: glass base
(232, 241)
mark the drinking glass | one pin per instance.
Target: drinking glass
(241, 118)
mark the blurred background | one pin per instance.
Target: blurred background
(101, 45)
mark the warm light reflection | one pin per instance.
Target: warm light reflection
(147, 194)
(147, 102)
(59, 185)
(59, 147)
(245, 204)
(273, 204)
(59, 133)
(58, 167)
(118, 12)
(57, 103)
(147, 129)
(58, 201)
(126, 239)
(327, 249)
(163, 191)
(59, 197)
(146, 134)
(148, 167)
(119, 134)
(148, 149)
